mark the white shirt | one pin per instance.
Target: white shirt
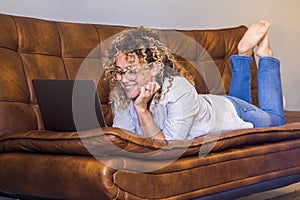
(182, 113)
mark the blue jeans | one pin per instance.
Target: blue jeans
(270, 111)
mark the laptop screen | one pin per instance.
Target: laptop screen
(69, 105)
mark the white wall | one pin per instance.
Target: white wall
(188, 14)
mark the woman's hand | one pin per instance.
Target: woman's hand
(148, 126)
(146, 94)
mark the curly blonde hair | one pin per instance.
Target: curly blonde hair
(146, 44)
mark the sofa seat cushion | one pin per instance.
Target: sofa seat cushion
(113, 141)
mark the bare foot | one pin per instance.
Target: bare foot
(252, 37)
(263, 47)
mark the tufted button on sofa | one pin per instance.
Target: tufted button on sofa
(111, 163)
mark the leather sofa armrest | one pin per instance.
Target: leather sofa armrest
(292, 116)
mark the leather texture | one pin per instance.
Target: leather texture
(99, 142)
(40, 49)
(38, 163)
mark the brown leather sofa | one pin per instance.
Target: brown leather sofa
(111, 163)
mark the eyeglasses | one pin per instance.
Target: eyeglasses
(130, 72)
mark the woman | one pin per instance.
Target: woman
(154, 96)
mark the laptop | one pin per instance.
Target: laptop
(69, 105)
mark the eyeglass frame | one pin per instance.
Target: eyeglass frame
(119, 71)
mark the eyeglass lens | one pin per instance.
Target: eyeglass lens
(130, 74)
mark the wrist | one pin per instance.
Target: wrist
(151, 130)
(140, 109)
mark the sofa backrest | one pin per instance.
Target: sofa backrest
(42, 49)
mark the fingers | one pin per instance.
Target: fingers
(151, 87)
(146, 93)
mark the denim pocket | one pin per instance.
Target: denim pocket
(241, 106)
(246, 108)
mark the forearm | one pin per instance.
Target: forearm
(148, 126)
